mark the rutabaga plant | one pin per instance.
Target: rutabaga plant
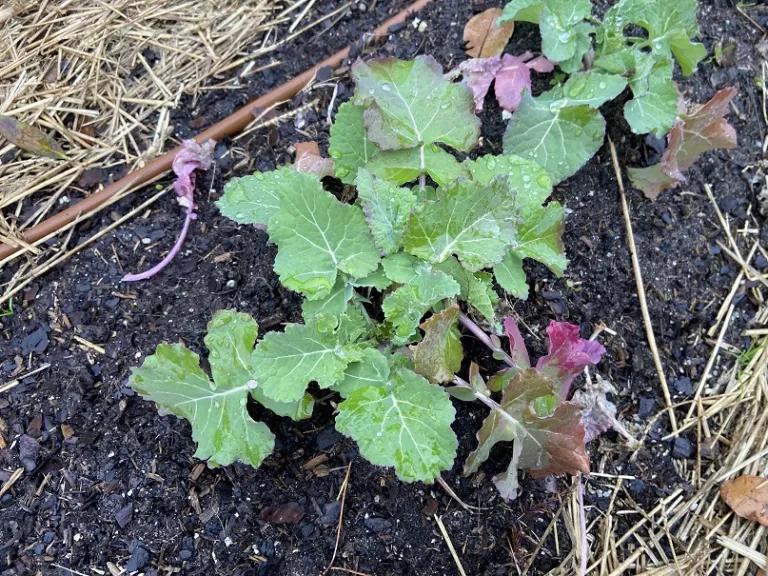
(370, 272)
(562, 128)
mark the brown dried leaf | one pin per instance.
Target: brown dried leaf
(438, 356)
(30, 139)
(289, 513)
(747, 496)
(484, 37)
(309, 160)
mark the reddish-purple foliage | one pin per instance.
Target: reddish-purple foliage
(191, 157)
(511, 73)
(568, 355)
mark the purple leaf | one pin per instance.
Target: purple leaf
(568, 355)
(512, 75)
(191, 157)
(517, 348)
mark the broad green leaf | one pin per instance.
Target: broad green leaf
(355, 325)
(654, 107)
(317, 237)
(377, 279)
(592, 88)
(386, 207)
(403, 166)
(531, 183)
(481, 294)
(406, 424)
(521, 11)
(455, 270)
(582, 42)
(510, 275)
(540, 232)
(218, 413)
(410, 104)
(472, 221)
(404, 307)
(284, 363)
(348, 145)
(334, 304)
(402, 268)
(255, 198)
(371, 370)
(540, 237)
(557, 23)
(560, 139)
(687, 53)
(439, 354)
(230, 339)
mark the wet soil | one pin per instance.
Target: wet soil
(106, 479)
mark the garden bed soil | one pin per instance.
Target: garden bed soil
(109, 480)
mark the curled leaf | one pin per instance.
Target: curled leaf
(438, 356)
(309, 160)
(701, 129)
(748, 497)
(30, 139)
(568, 355)
(484, 37)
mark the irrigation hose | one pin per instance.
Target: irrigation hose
(230, 126)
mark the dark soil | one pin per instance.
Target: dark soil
(108, 480)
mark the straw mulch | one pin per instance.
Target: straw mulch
(102, 77)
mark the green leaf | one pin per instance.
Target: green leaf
(592, 88)
(557, 23)
(371, 370)
(410, 104)
(560, 139)
(438, 356)
(377, 279)
(317, 237)
(402, 268)
(348, 145)
(687, 53)
(334, 304)
(255, 198)
(541, 238)
(521, 11)
(403, 166)
(472, 221)
(654, 107)
(404, 307)
(406, 425)
(510, 275)
(355, 325)
(284, 363)
(221, 426)
(386, 207)
(230, 339)
(582, 42)
(481, 294)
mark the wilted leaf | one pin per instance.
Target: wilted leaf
(30, 139)
(748, 497)
(484, 37)
(702, 129)
(438, 356)
(309, 160)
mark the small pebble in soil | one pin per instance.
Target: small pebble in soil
(28, 449)
(636, 486)
(35, 342)
(682, 448)
(139, 556)
(378, 525)
(327, 438)
(331, 512)
(124, 515)
(647, 406)
(683, 386)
